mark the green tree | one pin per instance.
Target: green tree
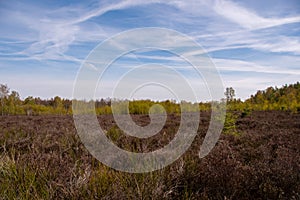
(58, 105)
(4, 91)
(28, 105)
(13, 102)
(230, 94)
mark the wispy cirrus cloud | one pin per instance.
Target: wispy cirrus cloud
(249, 19)
(56, 30)
(231, 65)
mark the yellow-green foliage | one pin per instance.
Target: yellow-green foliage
(230, 124)
(286, 98)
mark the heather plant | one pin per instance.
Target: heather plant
(41, 157)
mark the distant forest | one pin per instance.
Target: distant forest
(286, 98)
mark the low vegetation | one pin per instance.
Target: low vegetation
(41, 157)
(256, 157)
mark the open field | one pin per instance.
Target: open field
(41, 157)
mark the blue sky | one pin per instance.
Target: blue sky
(254, 44)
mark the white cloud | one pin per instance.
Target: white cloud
(56, 34)
(266, 42)
(279, 44)
(105, 7)
(245, 66)
(248, 19)
(58, 29)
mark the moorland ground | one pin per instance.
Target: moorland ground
(42, 157)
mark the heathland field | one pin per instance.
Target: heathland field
(42, 157)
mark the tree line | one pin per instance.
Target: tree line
(286, 98)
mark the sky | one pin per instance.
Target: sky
(253, 44)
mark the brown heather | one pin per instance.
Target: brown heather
(41, 157)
